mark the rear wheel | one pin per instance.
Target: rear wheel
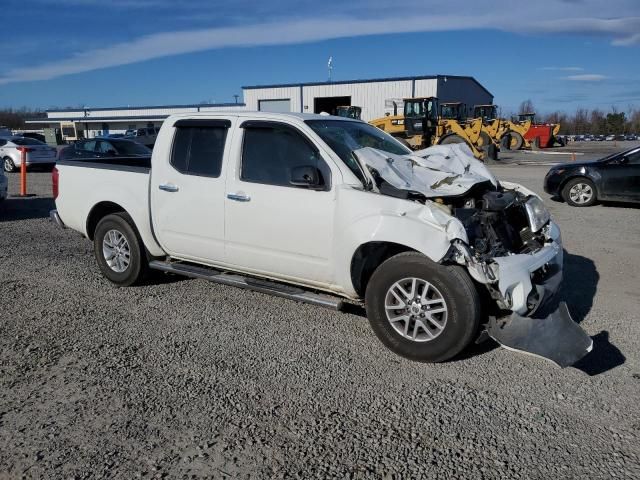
(8, 165)
(118, 250)
(422, 310)
(579, 192)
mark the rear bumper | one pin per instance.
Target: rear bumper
(55, 218)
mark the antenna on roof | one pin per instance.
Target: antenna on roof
(236, 96)
(330, 67)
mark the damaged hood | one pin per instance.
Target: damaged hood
(442, 170)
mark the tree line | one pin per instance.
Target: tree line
(14, 118)
(582, 121)
(594, 122)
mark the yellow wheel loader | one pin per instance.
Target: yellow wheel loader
(424, 124)
(504, 133)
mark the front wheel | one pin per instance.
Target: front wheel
(8, 165)
(118, 250)
(422, 310)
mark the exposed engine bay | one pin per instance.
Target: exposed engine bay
(501, 232)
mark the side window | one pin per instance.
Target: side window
(199, 150)
(105, 147)
(633, 158)
(269, 154)
(88, 146)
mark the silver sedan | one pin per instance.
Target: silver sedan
(37, 152)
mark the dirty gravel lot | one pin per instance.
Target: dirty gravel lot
(187, 379)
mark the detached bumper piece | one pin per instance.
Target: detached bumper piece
(553, 336)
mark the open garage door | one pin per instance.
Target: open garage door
(329, 104)
(282, 105)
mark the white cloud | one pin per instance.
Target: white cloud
(356, 18)
(587, 77)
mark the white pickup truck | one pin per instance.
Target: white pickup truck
(331, 210)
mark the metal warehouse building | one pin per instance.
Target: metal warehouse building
(376, 97)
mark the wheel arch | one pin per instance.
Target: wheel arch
(575, 176)
(98, 212)
(368, 257)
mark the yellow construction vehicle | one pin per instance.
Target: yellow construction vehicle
(349, 111)
(425, 124)
(392, 124)
(502, 132)
(453, 127)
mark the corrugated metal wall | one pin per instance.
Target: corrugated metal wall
(251, 96)
(370, 96)
(463, 90)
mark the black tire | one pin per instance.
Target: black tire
(516, 141)
(505, 141)
(8, 165)
(484, 140)
(452, 284)
(450, 139)
(577, 182)
(136, 268)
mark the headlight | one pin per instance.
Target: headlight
(537, 213)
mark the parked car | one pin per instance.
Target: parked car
(324, 210)
(631, 138)
(145, 136)
(610, 138)
(613, 178)
(104, 147)
(4, 183)
(37, 153)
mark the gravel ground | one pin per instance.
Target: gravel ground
(188, 379)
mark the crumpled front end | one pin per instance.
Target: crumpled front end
(503, 235)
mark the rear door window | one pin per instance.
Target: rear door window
(198, 149)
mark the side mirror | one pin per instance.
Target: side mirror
(306, 176)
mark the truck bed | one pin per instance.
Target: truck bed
(101, 183)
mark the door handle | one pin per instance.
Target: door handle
(238, 197)
(168, 187)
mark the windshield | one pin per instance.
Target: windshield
(130, 148)
(450, 111)
(27, 141)
(345, 137)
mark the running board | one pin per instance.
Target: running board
(255, 284)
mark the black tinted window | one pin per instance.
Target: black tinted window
(634, 157)
(270, 154)
(199, 150)
(27, 141)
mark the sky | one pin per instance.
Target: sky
(561, 54)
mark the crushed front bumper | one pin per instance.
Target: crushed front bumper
(528, 285)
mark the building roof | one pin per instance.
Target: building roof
(149, 118)
(371, 80)
(147, 107)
